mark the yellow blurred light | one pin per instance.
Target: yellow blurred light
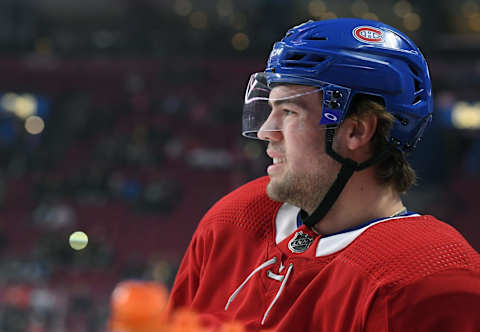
(370, 16)
(470, 8)
(316, 8)
(240, 41)
(412, 21)
(359, 8)
(466, 116)
(183, 7)
(474, 22)
(78, 240)
(34, 125)
(199, 20)
(25, 106)
(402, 8)
(22, 106)
(224, 8)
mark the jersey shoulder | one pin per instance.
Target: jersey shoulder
(403, 250)
(248, 207)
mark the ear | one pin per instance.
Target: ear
(359, 131)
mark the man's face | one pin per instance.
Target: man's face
(301, 172)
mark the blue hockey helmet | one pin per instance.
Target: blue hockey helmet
(351, 56)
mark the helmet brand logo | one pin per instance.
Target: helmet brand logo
(368, 34)
(330, 116)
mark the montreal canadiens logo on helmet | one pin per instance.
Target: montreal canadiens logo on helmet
(368, 34)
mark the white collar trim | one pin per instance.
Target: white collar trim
(332, 244)
(285, 222)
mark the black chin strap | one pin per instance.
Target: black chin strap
(349, 166)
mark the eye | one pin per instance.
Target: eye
(288, 112)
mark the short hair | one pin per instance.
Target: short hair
(394, 170)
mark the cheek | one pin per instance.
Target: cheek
(306, 152)
(304, 142)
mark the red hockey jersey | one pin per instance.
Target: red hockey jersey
(249, 261)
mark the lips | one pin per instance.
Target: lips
(278, 160)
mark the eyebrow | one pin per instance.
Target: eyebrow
(295, 101)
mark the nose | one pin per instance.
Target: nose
(270, 129)
(269, 135)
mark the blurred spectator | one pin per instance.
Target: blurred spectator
(160, 196)
(16, 301)
(209, 159)
(54, 214)
(43, 302)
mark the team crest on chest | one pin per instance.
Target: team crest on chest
(300, 242)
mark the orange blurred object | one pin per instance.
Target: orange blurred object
(232, 327)
(138, 306)
(185, 320)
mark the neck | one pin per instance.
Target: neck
(361, 200)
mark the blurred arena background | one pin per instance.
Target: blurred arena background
(121, 118)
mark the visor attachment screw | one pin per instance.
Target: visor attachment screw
(337, 94)
(334, 104)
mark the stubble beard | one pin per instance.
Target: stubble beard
(303, 190)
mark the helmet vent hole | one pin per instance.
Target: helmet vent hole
(416, 79)
(301, 65)
(414, 71)
(316, 58)
(296, 56)
(417, 100)
(417, 85)
(300, 60)
(317, 38)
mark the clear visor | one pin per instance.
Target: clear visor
(257, 109)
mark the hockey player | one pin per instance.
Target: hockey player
(325, 243)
